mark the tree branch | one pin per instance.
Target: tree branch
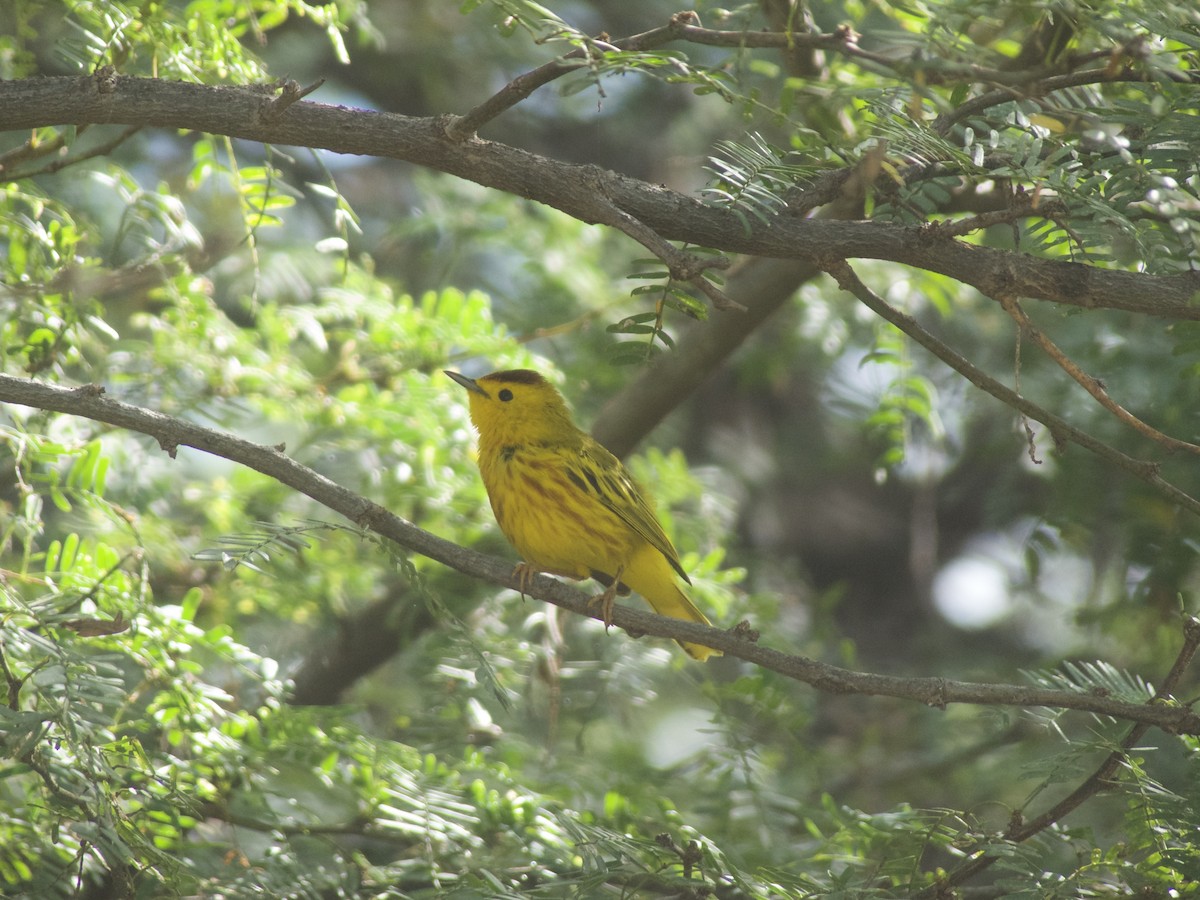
(685, 26)
(1093, 386)
(1100, 779)
(459, 128)
(31, 150)
(171, 433)
(247, 112)
(686, 267)
(1059, 428)
(762, 286)
(1106, 75)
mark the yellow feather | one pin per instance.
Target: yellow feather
(564, 502)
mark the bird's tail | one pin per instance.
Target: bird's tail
(677, 605)
(652, 577)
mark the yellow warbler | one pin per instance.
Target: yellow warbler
(566, 503)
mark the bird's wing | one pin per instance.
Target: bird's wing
(596, 471)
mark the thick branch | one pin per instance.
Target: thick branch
(171, 433)
(249, 113)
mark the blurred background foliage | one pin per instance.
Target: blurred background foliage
(217, 689)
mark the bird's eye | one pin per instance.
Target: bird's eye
(505, 395)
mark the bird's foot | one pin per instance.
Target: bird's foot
(524, 573)
(606, 599)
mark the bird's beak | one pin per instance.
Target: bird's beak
(469, 383)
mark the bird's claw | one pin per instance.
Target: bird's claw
(524, 573)
(607, 599)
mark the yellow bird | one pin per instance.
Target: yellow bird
(565, 503)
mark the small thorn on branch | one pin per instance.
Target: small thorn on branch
(289, 92)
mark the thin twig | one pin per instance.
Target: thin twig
(684, 26)
(1030, 90)
(1060, 429)
(688, 268)
(1022, 207)
(719, 298)
(460, 128)
(1092, 385)
(1030, 437)
(1103, 775)
(12, 683)
(56, 165)
(27, 751)
(36, 149)
(95, 588)
(680, 27)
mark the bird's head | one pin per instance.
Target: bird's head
(516, 406)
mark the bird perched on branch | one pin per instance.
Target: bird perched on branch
(565, 503)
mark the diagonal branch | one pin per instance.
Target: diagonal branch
(1100, 779)
(53, 148)
(1093, 386)
(1059, 428)
(686, 267)
(762, 286)
(171, 433)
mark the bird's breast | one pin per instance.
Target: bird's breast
(548, 519)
